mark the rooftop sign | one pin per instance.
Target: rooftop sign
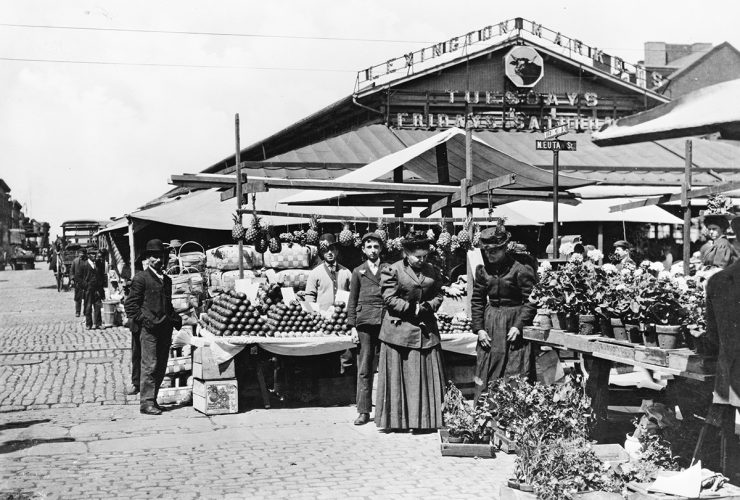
(476, 41)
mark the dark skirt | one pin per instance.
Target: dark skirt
(410, 388)
(504, 358)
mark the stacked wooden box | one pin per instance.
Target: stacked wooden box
(177, 386)
(215, 390)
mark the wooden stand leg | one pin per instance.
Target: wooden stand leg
(597, 388)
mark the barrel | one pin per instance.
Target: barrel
(109, 313)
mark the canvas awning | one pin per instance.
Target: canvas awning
(592, 211)
(704, 111)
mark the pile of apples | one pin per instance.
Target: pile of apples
(335, 322)
(291, 321)
(231, 314)
(456, 324)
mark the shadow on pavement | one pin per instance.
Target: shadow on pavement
(23, 424)
(49, 287)
(22, 444)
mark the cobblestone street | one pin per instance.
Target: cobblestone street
(68, 431)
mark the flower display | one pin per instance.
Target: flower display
(594, 255)
(566, 249)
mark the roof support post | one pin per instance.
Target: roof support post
(686, 204)
(443, 177)
(398, 203)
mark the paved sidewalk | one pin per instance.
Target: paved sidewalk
(67, 431)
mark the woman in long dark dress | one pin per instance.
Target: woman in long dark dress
(410, 374)
(500, 308)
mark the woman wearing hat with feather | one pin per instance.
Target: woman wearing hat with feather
(410, 374)
(500, 308)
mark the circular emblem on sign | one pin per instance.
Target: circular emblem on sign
(524, 66)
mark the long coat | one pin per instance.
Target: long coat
(365, 305)
(723, 327)
(719, 253)
(402, 291)
(149, 304)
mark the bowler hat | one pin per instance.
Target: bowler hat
(326, 241)
(622, 244)
(154, 247)
(372, 236)
(496, 236)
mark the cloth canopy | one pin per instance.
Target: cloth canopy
(592, 211)
(704, 111)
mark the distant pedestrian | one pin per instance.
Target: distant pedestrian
(152, 317)
(622, 256)
(77, 274)
(717, 251)
(93, 283)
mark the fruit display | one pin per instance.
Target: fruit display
(231, 314)
(291, 321)
(456, 324)
(334, 322)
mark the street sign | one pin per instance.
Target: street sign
(556, 132)
(555, 145)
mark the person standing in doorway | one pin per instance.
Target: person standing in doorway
(364, 315)
(152, 317)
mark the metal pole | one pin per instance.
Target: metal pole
(686, 203)
(239, 194)
(555, 189)
(132, 249)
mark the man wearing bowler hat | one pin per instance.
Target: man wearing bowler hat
(622, 254)
(326, 278)
(365, 310)
(152, 317)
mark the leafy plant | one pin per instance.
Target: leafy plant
(474, 425)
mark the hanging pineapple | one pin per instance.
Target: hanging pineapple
(312, 235)
(476, 235)
(261, 242)
(299, 237)
(444, 240)
(238, 231)
(345, 236)
(253, 231)
(454, 244)
(381, 231)
(430, 234)
(464, 237)
(357, 239)
(274, 244)
(286, 237)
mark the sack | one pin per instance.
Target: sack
(226, 257)
(296, 278)
(293, 256)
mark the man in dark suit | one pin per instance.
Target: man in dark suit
(364, 315)
(77, 271)
(93, 284)
(152, 317)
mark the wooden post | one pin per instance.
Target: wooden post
(239, 194)
(443, 177)
(398, 202)
(686, 204)
(600, 240)
(555, 188)
(131, 242)
(597, 388)
(468, 161)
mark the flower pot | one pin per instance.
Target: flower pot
(649, 337)
(668, 336)
(633, 447)
(455, 439)
(572, 323)
(586, 324)
(542, 319)
(605, 327)
(634, 334)
(513, 484)
(558, 320)
(526, 487)
(618, 330)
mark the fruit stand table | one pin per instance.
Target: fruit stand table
(600, 352)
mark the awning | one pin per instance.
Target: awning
(592, 211)
(704, 111)
(419, 158)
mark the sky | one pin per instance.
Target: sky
(96, 141)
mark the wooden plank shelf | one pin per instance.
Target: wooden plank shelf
(679, 362)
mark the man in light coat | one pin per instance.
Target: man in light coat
(327, 278)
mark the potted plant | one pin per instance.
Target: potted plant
(693, 301)
(579, 285)
(662, 307)
(548, 297)
(457, 416)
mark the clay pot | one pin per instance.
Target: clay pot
(618, 329)
(542, 319)
(558, 320)
(668, 336)
(634, 334)
(572, 323)
(586, 324)
(605, 327)
(649, 336)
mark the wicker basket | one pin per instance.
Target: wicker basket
(192, 259)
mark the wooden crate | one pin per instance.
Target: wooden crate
(611, 454)
(639, 491)
(216, 397)
(205, 368)
(503, 441)
(507, 493)
(463, 449)
(179, 365)
(174, 395)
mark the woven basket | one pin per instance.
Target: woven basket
(192, 259)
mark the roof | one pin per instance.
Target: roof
(687, 62)
(703, 111)
(4, 186)
(592, 211)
